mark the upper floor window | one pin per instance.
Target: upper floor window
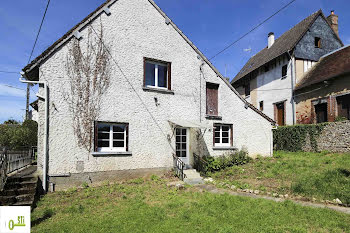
(284, 71)
(317, 42)
(157, 73)
(261, 105)
(266, 68)
(212, 99)
(247, 89)
(111, 137)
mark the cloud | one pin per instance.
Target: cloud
(9, 91)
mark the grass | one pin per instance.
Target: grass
(150, 206)
(324, 176)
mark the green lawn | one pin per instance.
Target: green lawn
(324, 176)
(150, 206)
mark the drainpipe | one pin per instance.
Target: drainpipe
(292, 85)
(46, 98)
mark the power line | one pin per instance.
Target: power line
(133, 88)
(6, 85)
(9, 72)
(37, 36)
(253, 29)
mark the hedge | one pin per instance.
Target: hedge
(293, 138)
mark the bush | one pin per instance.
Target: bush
(293, 138)
(16, 136)
(232, 159)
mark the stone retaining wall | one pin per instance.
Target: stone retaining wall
(335, 137)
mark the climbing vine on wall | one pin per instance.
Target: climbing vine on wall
(88, 70)
(293, 138)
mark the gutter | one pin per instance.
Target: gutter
(46, 138)
(292, 84)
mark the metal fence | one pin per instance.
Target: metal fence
(12, 160)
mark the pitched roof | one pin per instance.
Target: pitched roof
(283, 44)
(329, 66)
(36, 62)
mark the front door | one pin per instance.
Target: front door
(182, 144)
(280, 113)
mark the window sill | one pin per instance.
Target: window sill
(159, 90)
(112, 153)
(224, 148)
(213, 117)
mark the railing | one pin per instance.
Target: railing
(19, 158)
(178, 167)
(3, 168)
(200, 164)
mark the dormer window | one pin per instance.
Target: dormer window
(317, 42)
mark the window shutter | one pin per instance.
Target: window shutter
(95, 135)
(231, 135)
(212, 99)
(144, 71)
(214, 135)
(127, 137)
(169, 76)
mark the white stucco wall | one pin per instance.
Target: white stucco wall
(271, 89)
(135, 29)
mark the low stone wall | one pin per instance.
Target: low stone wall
(335, 137)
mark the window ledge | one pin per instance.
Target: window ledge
(159, 90)
(213, 117)
(112, 153)
(224, 148)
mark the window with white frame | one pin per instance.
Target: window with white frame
(111, 137)
(156, 73)
(222, 135)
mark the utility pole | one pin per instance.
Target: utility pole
(27, 102)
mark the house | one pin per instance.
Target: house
(268, 79)
(323, 93)
(164, 98)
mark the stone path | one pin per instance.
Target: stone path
(213, 189)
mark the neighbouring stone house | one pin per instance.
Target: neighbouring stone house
(268, 79)
(323, 93)
(164, 98)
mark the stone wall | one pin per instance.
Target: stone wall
(335, 137)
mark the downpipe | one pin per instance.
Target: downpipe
(46, 98)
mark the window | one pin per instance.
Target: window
(247, 89)
(222, 135)
(284, 71)
(266, 68)
(157, 73)
(111, 137)
(212, 99)
(261, 105)
(317, 42)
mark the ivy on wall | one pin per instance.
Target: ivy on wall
(293, 138)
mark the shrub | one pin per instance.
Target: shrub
(340, 118)
(227, 160)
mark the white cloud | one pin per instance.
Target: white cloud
(6, 90)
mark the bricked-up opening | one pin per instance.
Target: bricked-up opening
(343, 104)
(317, 42)
(212, 99)
(321, 112)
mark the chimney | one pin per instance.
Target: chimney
(270, 40)
(333, 21)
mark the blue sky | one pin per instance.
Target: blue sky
(211, 25)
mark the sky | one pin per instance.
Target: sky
(209, 24)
